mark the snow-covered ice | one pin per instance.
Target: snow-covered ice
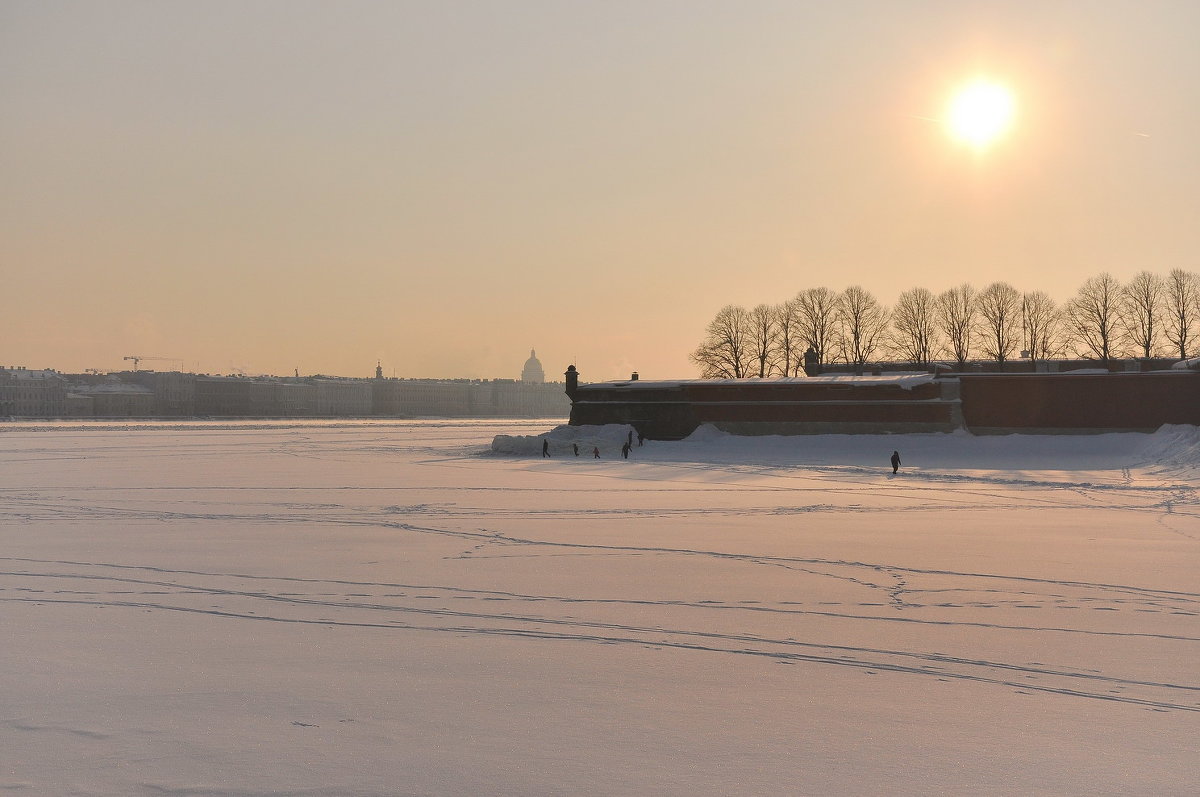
(381, 608)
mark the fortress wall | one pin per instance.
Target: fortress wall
(749, 407)
(1000, 403)
(981, 403)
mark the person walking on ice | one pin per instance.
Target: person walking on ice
(895, 461)
(545, 448)
(596, 452)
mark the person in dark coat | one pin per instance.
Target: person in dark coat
(629, 440)
(575, 448)
(545, 448)
(596, 452)
(895, 461)
(625, 451)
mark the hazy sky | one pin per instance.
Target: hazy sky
(443, 185)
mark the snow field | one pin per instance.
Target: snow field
(387, 608)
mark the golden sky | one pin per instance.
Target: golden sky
(270, 186)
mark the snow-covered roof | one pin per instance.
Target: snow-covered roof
(26, 374)
(906, 380)
(116, 388)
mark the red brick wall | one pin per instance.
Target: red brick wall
(1080, 401)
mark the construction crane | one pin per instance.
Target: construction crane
(137, 359)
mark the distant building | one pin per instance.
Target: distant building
(532, 372)
(466, 398)
(1084, 401)
(530, 399)
(79, 406)
(32, 393)
(343, 397)
(149, 394)
(295, 398)
(174, 391)
(115, 400)
(222, 396)
(449, 397)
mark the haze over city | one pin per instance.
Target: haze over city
(441, 187)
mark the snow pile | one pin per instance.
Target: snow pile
(607, 438)
(1022, 456)
(1172, 446)
(706, 433)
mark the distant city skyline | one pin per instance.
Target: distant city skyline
(438, 187)
(167, 365)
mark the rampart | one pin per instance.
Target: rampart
(1079, 403)
(1086, 402)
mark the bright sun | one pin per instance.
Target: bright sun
(980, 113)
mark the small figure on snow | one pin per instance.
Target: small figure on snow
(625, 451)
(640, 437)
(629, 440)
(575, 448)
(545, 448)
(895, 461)
(596, 452)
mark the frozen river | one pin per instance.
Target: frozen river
(385, 608)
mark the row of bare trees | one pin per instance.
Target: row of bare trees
(1149, 316)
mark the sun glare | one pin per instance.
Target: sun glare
(980, 113)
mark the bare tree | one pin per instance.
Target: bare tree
(957, 316)
(915, 324)
(1000, 315)
(862, 324)
(816, 312)
(1039, 325)
(789, 350)
(1181, 294)
(763, 338)
(1093, 318)
(726, 352)
(1141, 316)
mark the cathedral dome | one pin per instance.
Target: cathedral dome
(532, 372)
